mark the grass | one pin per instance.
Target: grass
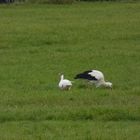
(39, 41)
(84, 130)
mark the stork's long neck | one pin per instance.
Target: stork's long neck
(104, 83)
(107, 84)
(100, 83)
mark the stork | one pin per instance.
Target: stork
(94, 76)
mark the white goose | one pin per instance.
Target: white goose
(64, 84)
(94, 76)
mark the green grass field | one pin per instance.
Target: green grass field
(37, 42)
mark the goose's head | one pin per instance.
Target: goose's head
(61, 76)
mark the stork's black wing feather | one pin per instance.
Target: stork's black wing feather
(85, 75)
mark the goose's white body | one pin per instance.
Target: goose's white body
(94, 76)
(64, 84)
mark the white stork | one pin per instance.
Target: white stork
(94, 76)
(64, 84)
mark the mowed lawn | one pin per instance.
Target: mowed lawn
(37, 42)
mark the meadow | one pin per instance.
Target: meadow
(38, 41)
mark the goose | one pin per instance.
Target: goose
(94, 76)
(64, 84)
